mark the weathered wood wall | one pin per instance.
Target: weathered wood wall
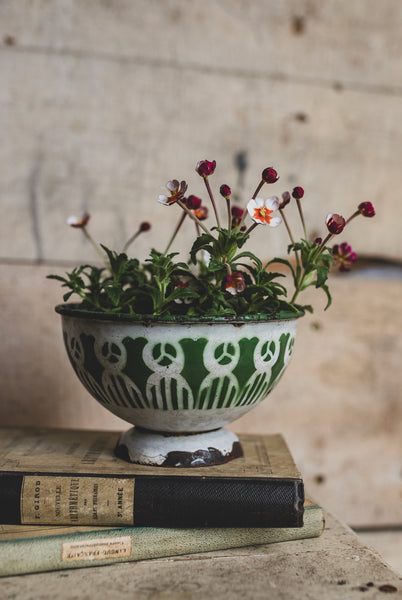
(102, 102)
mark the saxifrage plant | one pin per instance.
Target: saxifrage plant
(221, 277)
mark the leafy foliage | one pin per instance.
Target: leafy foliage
(220, 277)
(161, 286)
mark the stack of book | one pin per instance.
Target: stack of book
(67, 501)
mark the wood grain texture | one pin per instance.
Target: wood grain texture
(102, 103)
(326, 42)
(334, 566)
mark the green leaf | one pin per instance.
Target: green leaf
(57, 277)
(329, 297)
(285, 262)
(322, 276)
(203, 242)
(251, 256)
(181, 294)
(114, 293)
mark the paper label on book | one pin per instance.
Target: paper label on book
(77, 500)
(102, 549)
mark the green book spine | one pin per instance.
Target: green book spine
(36, 552)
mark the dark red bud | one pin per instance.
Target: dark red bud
(225, 191)
(205, 167)
(193, 202)
(298, 192)
(269, 175)
(145, 226)
(335, 223)
(366, 209)
(237, 211)
(318, 241)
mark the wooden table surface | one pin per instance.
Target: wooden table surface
(337, 565)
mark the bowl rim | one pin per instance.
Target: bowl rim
(74, 310)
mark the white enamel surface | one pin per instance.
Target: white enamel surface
(181, 420)
(151, 448)
(222, 332)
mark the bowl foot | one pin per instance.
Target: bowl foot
(178, 450)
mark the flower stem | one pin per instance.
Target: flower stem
(176, 231)
(259, 186)
(254, 196)
(286, 225)
(299, 206)
(229, 214)
(130, 240)
(250, 229)
(192, 216)
(324, 243)
(290, 236)
(212, 200)
(299, 286)
(355, 214)
(95, 246)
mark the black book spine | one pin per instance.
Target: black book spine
(187, 501)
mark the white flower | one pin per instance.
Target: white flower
(261, 211)
(80, 221)
(177, 190)
(163, 199)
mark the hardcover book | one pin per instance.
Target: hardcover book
(31, 548)
(73, 477)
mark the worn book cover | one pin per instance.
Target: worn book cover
(31, 548)
(72, 477)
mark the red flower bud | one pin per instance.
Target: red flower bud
(205, 167)
(335, 223)
(145, 226)
(285, 200)
(269, 175)
(318, 241)
(225, 191)
(237, 211)
(366, 209)
(193, 202)
(298, 192)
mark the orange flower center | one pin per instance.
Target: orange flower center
(263, 214)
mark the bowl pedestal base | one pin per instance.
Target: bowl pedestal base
(155, 448)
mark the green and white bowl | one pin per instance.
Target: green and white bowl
(179, 380)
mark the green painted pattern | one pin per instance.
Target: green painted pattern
(186, 374)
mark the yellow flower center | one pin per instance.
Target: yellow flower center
(263, 214)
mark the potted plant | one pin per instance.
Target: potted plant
(181, 348)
